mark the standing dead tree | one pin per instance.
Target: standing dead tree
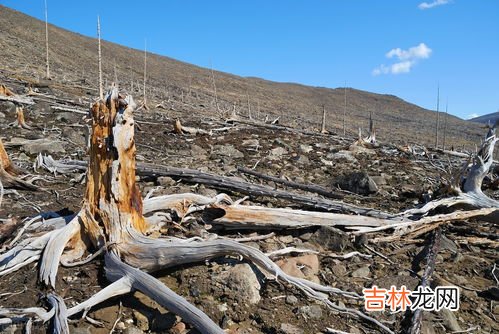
(215, 95)
(144, 104)
(345, 113)
(113, 221)
(323, 123)
(370, 140)
(20, 121)
(47, 42)
(9, 173)
(101, 91)
(438, 117)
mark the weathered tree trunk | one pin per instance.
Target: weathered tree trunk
(323, 123)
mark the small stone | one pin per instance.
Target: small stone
(242, 280)
(305, 148)
(339, 270)
(250, 143)
(303, 160)
(166, 181)
(227, 151)
(362, 272)
(287, 239)
(306, 236)
(290, 329)
(357, 182)
(291, 300)
(194, 291)
(331, 238)
(305, 266)
(141, 321)
(277, 152)
(311, 311)
(178, 328)
(2, 115)
(132, 330)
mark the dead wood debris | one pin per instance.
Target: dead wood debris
(112, 213)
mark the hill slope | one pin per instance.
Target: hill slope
(73, 59)
(492, 118)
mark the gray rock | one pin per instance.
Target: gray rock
(9, 329)
(303, 160)
(357, 182)
(141, 321)
(7, 107)
(2, 115)
(42, 145)
(227, 151)
(250, 143)
(311, 311)
(342, 156)
(379, 180)
(277, 152)
(290, 329)
(81, 330)
(362, 272)
(132, 330)
(198, 152)
(166, 181)
(287, 239)
(305, 148)
(339, 270)
(331, 238)
(242, 281)
(291, 300)
(450, 321)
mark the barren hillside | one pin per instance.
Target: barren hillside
(190, 88)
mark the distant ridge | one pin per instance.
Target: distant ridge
(492, 118)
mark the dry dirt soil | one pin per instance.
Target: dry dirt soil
(403, 182)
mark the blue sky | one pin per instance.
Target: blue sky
(399, 47)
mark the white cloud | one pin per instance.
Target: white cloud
(435, 3)
(406, 59)
(474, 115)
(416, 52)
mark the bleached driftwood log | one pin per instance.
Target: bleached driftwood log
(112, 219)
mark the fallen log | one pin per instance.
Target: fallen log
(232, 185)
(310, 188)
(112, 219)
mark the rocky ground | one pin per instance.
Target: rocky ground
(233, 293)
